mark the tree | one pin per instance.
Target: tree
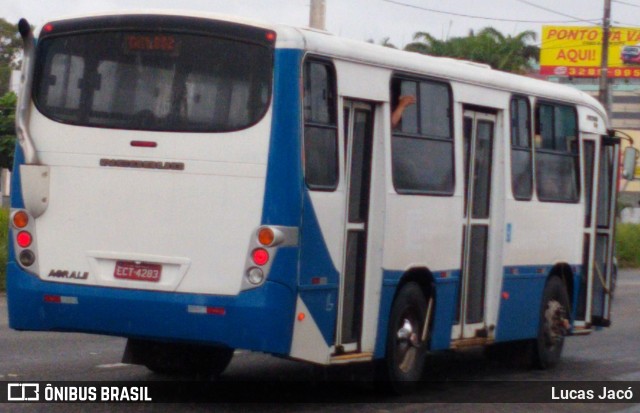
(10, 49)
(509, 53)
(386, 42)
(7, 129)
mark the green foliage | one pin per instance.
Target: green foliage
(628, 245)
(10, 48)
(509, 53)
(7, 129)
(4, 248)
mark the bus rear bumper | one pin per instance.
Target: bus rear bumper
(257, 320)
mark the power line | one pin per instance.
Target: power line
(399, 3)
(626, 3)
(590, 21)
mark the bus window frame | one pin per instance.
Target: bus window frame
(417, 78)
(311, 58)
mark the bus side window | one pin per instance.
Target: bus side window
(422, 143)
(521, 163)
(320, 126)
(557, 153)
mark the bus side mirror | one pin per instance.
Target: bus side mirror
(629, 163)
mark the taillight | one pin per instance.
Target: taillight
(24, 239)
(23, 229)
(260, 256)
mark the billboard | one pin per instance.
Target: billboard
(576, 51)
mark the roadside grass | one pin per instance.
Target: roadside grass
(628, 245)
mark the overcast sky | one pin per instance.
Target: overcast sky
(363, 19)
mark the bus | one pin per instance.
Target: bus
(199, 184)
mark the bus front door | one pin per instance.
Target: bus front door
(600, 176)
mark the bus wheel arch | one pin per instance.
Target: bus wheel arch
(565, 273)
(421, 276)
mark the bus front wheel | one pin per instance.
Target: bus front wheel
(554, 324)
(402, 367)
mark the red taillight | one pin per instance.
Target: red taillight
(260, 256)
(24, 239)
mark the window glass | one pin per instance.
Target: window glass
(157, 81)
(320, 134)
(422, 147)
(321, 165)
(422, 166)
(557, 153)
(434, 110)
(557, 177)
(409, 121)
(318, 98)
(545, 128)
(521, 164)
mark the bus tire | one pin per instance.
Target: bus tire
(181, 359)
(553, 326)
(402, 367)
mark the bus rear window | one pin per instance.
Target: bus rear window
(157, 81)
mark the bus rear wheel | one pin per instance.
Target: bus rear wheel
(179, 359)
(403, 365)
(554, 324)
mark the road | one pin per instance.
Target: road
(609, 355)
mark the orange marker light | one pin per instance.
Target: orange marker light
(20, 219)
(266, 236)
(301, 317)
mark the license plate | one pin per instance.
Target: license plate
(138, 271)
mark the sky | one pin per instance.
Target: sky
(364, 19)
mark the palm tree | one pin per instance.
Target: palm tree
(508, 53)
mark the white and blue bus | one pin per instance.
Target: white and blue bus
(200, 184)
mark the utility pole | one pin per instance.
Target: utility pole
(604, 78)
(317, 14)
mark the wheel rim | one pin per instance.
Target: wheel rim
(556, 324)
(408, 340)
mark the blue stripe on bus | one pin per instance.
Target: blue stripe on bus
(316, 262)
(518, 316)
(283, 189)
(17, 200)
(253, 319)
(287, 202)
(521, 298)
